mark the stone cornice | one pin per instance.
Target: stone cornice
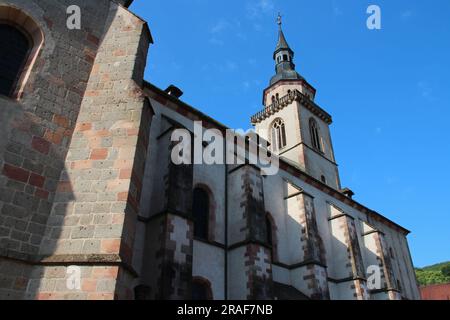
(68, 259)
(285, 101)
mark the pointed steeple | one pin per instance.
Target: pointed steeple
(282, 43)
(284, 58)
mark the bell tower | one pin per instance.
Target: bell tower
(295, 126)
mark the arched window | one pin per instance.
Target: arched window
(201, 289)
(315, 136)
(278, 135)
(271, 235)
(323, 179)
(200, 209)
(21, 40)
(14, 50)
(273, 99)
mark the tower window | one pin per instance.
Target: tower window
(315, 136)
(200, 208)
(278, 135)
(271, 235)
(323, 179)
(285, 57)
(14, 50)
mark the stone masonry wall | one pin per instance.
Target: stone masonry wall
(106, 158)
(36, 130)
(70, 165)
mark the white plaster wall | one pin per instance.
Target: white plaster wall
(274, 193)
(209, 263)
(297, 280)
(235, 217)
(281, 275)
(237, 288)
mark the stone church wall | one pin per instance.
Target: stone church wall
(76, 146)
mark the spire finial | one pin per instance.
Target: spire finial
(279, 20)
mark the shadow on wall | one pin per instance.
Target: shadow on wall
(35, 135)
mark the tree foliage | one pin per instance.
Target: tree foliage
(435, 274)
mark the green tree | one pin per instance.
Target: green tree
(446, 270)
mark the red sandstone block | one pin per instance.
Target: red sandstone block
(36, 180)
(93, 39)
(40, 145)
(61, 121)
(122, 196)
(64, 187)
(16, 173)
(119, 53)
(125, 174)
(133, 132)
(83, 126)
(89, 285)
(99, 154)
(105, 272)
(100, 296)
(53, 137)
(92, 93)
(110, 246)
(103, 133)
(123, 164)
(81, 164)
(45, 296)
(41, 194)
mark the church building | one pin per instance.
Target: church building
(92, 205)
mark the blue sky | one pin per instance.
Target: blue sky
(388, 90)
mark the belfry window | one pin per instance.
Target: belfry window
(278, 135)
(200, 209)
(315, 136)
(14, 50)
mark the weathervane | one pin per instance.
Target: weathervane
(279, 20)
